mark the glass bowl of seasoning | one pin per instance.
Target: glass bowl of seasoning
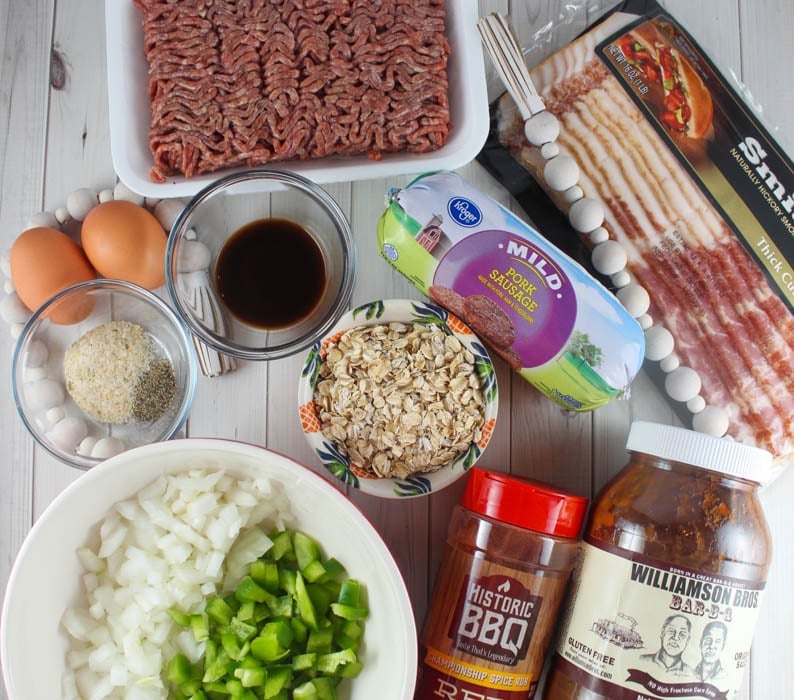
(101, 367)
(261, 264)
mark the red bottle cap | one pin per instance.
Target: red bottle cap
(524, 503)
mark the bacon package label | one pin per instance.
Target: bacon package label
(736, 164)
(533, 305)
(639, 629)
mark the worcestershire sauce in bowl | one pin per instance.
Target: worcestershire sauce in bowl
(270, 273)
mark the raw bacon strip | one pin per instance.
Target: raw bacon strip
(270, 80)
(728, 322)
(690, 205)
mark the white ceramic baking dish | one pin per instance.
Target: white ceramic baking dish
(130, 117)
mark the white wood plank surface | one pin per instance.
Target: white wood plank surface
(56, 139)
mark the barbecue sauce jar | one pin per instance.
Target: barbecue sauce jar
(511, 548)
(665, 598)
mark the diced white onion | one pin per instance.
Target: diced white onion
(89, 560)
(170, 546)
(101, 659)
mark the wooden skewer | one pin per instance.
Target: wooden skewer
(501, 42)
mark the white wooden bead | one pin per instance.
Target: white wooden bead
(12, 310)
(107, 447)
(55, 414)
(44, 394)
(587, 214)
(121, 191)
(106, 196)
(645, 321)
(561, 173)
(5, 264)
(33, 374)
(167, 211)
(43, 218)
(598, 235)
(696, 405)
(193, 256)
(86, 445)
(16, 330)
(712, 420)
(635, 299)
(573, 194)
(37, 355)
(549, 150)
(659, 343)
(670, 363)
(682, 384)
(609, 257)
(190, 234)
(541, 128)
(80, 202)
(68, 432)
(621, 279)
(62, 214)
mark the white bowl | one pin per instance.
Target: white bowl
(45, 578)
(383, 311)
(130, 117)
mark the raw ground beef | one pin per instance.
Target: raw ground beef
(254, 81)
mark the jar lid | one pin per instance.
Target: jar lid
(524, 503)
(722, 455)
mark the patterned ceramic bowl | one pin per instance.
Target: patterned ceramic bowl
(398, 411)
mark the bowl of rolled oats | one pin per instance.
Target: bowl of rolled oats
(399, 399)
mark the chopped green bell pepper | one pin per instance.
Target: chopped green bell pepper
(290, 630)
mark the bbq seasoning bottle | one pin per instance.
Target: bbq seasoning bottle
(511, 547)
(675, 560)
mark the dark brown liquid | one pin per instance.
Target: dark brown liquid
(270, 273)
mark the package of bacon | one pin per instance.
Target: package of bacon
(694, 187)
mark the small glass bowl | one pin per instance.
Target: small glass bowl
(335, 458)
(48, 411)
(220, 210)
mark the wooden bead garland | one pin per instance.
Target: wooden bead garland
(586, 216)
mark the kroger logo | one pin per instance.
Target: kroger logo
(464, 212)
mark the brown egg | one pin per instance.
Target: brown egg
(124, 241)
(45, 261)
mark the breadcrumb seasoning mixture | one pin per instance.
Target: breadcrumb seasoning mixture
(114, 375)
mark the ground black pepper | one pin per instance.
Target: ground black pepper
(154, 391)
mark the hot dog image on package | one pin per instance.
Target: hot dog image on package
(532, 304)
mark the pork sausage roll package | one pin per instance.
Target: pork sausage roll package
(699, 194)
(532, 304)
